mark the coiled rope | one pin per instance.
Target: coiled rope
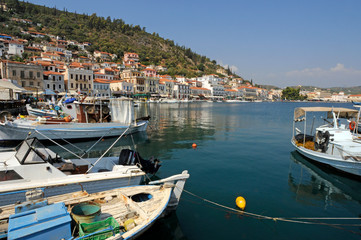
(302, 220)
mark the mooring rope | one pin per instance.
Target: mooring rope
(284, 219)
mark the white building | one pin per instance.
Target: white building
(78, 80)
(54, 81)
(339, 97)
(15, 48)
(121, 87)
(182, 91)
(101, 87)
(212, 82)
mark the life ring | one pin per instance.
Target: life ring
(352, 125)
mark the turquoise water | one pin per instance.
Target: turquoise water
(244, 150)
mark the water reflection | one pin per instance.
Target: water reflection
(165, 228)
(175, 126)
(312, 183)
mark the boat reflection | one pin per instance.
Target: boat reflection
(311, 183)
(165, 228)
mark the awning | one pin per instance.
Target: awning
(49, 92)
(341, 112)
(5, 84)
(141, 95)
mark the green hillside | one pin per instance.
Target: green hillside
(105, 34)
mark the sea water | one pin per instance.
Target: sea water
(243, 149)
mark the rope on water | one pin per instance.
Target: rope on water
(283, 219)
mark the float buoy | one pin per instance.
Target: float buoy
(241, 202)
(67, 119)
(352, 125)
(194, 146)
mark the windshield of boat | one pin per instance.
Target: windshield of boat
(28, 152)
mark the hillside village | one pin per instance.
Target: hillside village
(52, 65)
(52, 68)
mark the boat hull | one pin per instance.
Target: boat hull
(58, 189)
(11, 131)
(346, 166)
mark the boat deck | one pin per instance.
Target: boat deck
(117, 203)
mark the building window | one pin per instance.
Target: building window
(23, 84)
(47, 86)
(22, 74)
(38, 74)
(14, 72)
(31, 74)
(31, 83)
(71, 76)
(71, 85)
(59, 86)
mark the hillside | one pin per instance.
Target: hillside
(349, 90)
(105, 34)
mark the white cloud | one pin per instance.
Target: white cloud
(339, 75)
(232, 67)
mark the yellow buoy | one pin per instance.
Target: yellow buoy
(241, 202)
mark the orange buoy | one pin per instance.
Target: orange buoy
(241, 202)
(67, 119)
(352, 125)
(194, 146)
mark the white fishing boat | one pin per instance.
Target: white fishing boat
(185, 100)
(122, 213)
(335, 143)
(34, 166)
(90, 122)
(168, 100)
(40, 112)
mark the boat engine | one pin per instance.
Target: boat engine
(322, 140)
(130, 157)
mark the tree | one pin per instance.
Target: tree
(292, 94)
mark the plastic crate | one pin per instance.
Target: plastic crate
(99, 230)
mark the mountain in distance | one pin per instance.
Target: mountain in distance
(346, 90)
(105, 34)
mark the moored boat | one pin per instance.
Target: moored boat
(40, 112)
(90, 122)
(122, 213)
(34, 166)
(335, 143)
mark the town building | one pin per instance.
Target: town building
(354, 98)
(101, 87)
(54, 81)
(78, 79)
(121, 87)
(28, 76)
(200, 93)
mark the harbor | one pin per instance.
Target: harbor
(242, 149)
(127, 120)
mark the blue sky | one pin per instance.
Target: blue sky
(278, 42)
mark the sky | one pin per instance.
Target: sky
(273, 42)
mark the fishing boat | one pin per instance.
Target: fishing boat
(168, 100)
(335, 143)
(89, 123)
(33, 165)
(122, 213)
(40, 112)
